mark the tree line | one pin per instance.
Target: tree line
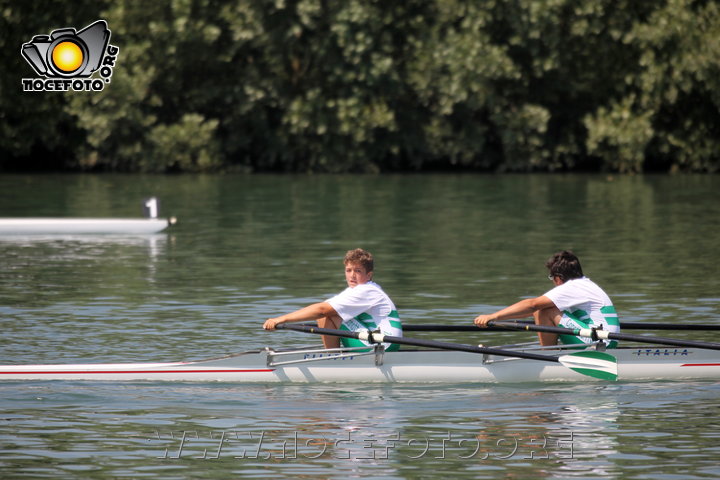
(373, 86)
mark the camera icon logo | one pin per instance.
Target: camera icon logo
(67, 53)
(67, 59)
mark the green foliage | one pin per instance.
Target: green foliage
(187, 145)
(669, 114)
(620, 135)
(368, 86)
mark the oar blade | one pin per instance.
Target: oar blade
(593, 364)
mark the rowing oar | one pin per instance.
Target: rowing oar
(591, 363)
(597, 334)
(623, 326)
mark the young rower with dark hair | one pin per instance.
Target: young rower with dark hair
(574, 302)
(363, 305)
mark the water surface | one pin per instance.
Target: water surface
(246, 248)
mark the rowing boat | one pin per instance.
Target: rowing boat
(84, 226)
(417, 365)
(425, 361)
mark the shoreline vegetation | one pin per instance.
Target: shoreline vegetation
(311, 86)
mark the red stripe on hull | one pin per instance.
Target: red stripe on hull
(97, 372)
(700, 365)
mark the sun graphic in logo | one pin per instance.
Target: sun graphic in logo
(67, 56)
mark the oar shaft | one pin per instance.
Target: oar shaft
(605, 335)
(415, 342)
(465, 348)
(664, 341)
(449, 328)
(623, 326)
(668, 326)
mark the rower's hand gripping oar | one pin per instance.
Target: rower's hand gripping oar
(591, 363)
(599, 334)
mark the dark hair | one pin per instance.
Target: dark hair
(564, 265)
(362, 257)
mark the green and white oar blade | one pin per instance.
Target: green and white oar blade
(593, 364)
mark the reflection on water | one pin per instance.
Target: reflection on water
(153, 240)
(40, 266)
(77, 248)
(447, 247)
(470, 432)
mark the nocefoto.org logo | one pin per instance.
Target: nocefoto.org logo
(67, 58)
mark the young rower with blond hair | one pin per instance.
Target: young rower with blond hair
(363, 305)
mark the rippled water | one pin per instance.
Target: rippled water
(246, 248)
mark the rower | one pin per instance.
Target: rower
(362, 306)
(574, 302)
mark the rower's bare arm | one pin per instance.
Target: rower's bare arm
(311, 312)
(521, 309)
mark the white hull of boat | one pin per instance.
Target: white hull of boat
(417, 366)
(76, 226)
